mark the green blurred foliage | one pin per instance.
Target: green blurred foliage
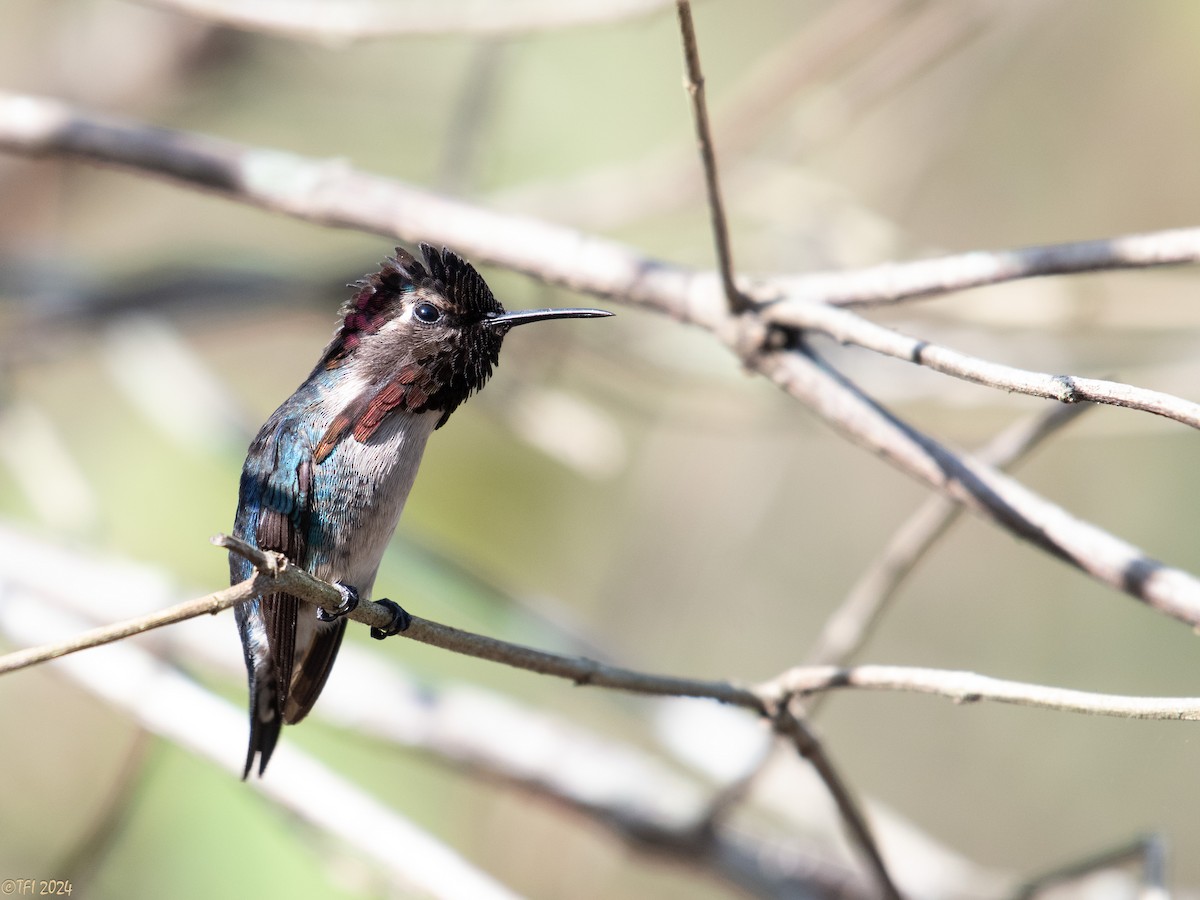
(730, 524)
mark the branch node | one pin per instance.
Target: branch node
(750, 336)
(785, 721)
(269, 562)
(1066, 390)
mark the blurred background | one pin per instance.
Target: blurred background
(620, 489)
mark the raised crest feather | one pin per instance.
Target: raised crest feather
(435, 369)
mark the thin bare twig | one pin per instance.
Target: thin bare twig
(333, 193)
(849, 328)
(694, 82)
(894, 282)
(850, 625)
(1148, 850)
(276, 574)
(587, 672)
(807, 744)
(321, 798)
(212, 604)
(771, 698)
(969, 687)
(957, 686)
(763, 699)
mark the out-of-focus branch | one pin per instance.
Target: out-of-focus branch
(346, 21)
(807, 744)
(852, 55)
(329, 192)
(334, 194)
(983, 489)
(852, 622)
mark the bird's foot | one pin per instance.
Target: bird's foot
(348, 605)
(400, 621)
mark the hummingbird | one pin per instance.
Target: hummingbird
(326, 478)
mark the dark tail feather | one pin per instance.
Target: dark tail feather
(265, 722)
(310, 679)
(266, 705)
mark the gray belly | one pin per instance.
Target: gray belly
(364, 505)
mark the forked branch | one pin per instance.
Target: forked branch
(335, 194)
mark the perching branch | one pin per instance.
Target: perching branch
(764, 699)
(212, 604)
(769, 339)
(334, 194)
(580, 670)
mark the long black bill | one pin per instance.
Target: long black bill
(524, 316)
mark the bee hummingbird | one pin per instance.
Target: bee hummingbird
(327, 476)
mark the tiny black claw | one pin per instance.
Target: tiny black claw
(348, 605)
(400, 621)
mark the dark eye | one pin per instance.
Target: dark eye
(427, 312)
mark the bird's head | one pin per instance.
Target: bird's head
(425, 337)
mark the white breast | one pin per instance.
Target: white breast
(364, 504)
